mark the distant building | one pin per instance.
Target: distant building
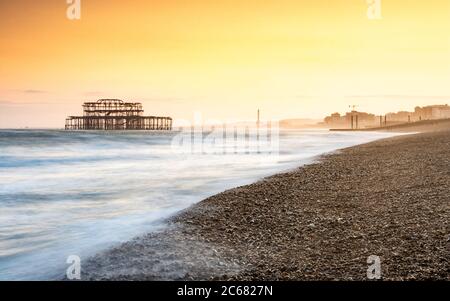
(421, 113)
(432, 112)
(360, 119)
(334, 118)
(370, 120)
(402, 116)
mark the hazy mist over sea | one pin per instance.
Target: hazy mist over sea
(76, 193)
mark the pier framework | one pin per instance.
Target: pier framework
(114, 114)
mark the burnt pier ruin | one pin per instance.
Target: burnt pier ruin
(115, 114)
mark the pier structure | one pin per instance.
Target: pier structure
(115, 114)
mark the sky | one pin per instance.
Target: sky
(222, 58)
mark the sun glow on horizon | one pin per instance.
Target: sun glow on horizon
(224, 58)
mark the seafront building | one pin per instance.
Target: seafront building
(355, 119)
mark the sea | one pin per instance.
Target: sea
(78, 193)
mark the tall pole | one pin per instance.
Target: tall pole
(258, 120)
(257, 131)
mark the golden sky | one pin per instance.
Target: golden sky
(223, 58)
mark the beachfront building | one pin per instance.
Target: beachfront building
(432, 112)
(402, 116)
(115, 114)
(351, 119)
(334, 118)
(370, 120)
(421, 113)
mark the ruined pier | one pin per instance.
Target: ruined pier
(115, 114)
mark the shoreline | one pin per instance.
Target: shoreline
(317, 222)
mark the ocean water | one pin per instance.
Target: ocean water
(77, 193)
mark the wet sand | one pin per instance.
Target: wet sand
(389, 198)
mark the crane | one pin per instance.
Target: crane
(353, 107)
